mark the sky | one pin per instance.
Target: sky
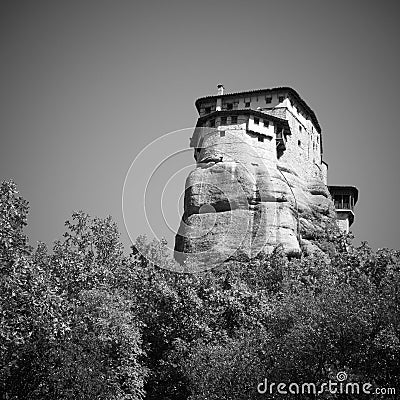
(86, 85)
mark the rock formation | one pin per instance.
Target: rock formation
(259, 179)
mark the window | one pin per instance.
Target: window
(247, 104)
(222, 134)
(266, 123)
(207, 110)
(268, 100)
(299, 142)
(234, 120)
(260, 139)
(256, 120)
(197, 149)
(212, 123)
(281, 98)
(300, 128)
(224, 120)
(229, 106)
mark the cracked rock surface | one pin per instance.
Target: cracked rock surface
(241, 201)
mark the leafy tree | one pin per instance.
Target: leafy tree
(328, 315)
(86, 321)
(28, 305)
(68, 329)
(99, 354)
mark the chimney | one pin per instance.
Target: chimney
(220, 89)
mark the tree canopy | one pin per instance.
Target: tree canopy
(84, 320)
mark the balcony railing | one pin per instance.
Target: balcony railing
(343, 205)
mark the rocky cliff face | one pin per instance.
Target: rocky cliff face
(240, 197)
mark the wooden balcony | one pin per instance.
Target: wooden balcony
(344, 199)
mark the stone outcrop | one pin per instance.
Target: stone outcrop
(260, 179)
(242, 199)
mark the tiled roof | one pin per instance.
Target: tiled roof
(290, 91)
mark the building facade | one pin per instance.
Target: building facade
(283, 121)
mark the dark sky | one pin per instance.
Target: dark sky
(86, 85)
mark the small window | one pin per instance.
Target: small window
(224, 120)
(299, 142)
(207, 110)
(256, 120)
(281, 99)
(266, 123)
(221, 133)
(300, 128)
(247, 104)
(260, 138)
(268, 100)
(229, 106)
(212, 123)
(234, 120)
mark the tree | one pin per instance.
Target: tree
(99, 355)
(28, 304)
(327, 315)
(68, 329)
(85, 321)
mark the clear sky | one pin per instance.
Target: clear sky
(86, 85)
